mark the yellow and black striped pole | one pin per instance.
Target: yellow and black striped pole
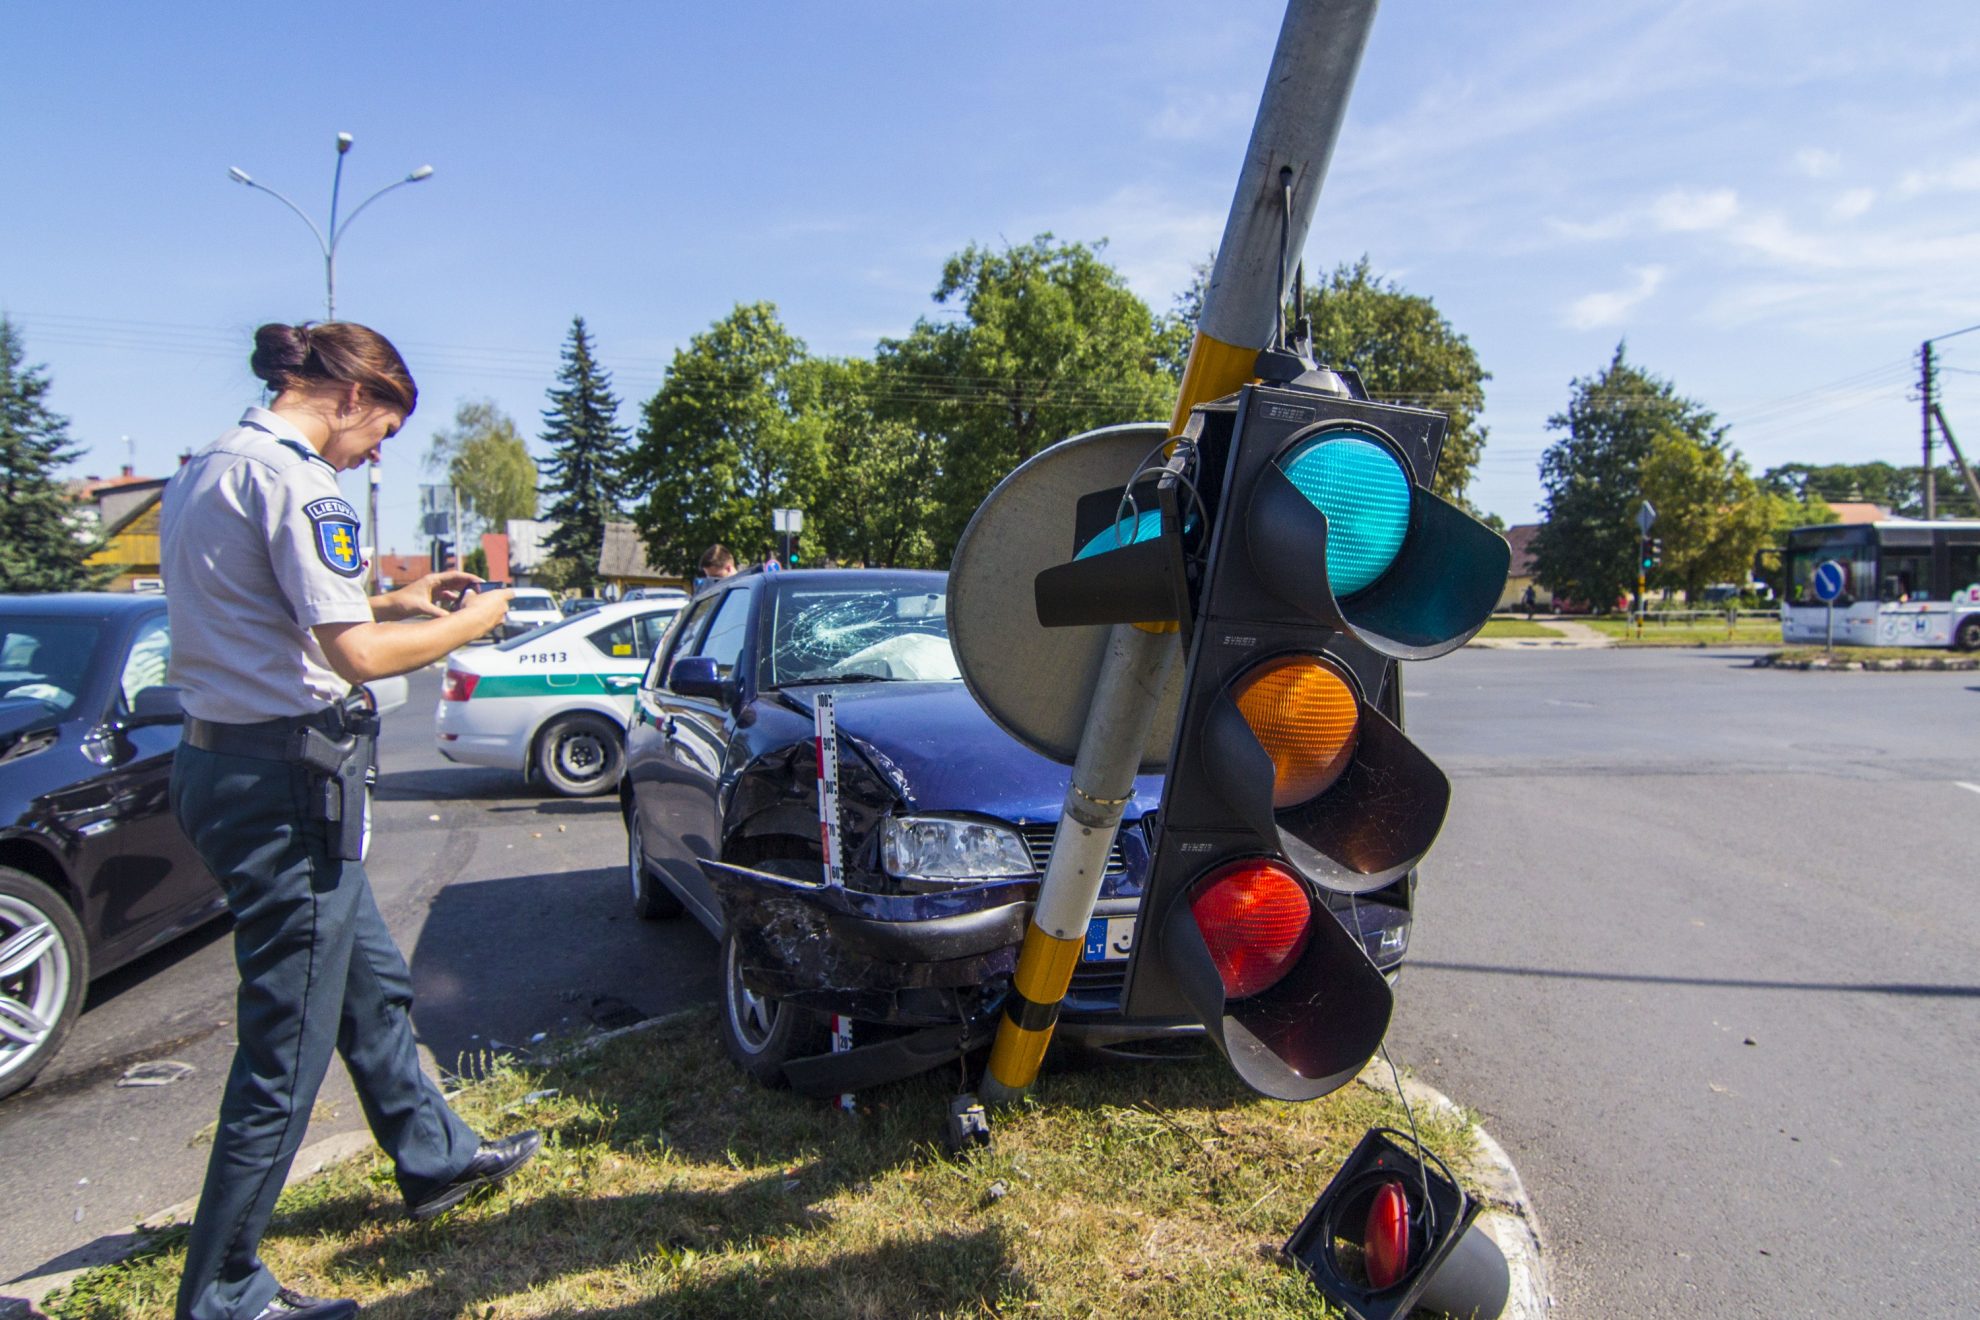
(1299, 116)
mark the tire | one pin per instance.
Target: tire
(1966, 637)
(581, 755)
(760, 1033)
(44, 974)
(652, 900)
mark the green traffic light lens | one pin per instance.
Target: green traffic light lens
(1128, 531)
(1364, 492)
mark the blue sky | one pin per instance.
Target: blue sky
(1773, 202)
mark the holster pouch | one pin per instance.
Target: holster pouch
(339, 771)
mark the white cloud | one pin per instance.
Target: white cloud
(1684, 210)
(1960, 176)
(1853, 203)
(1817, 162)
(1153, 238)
(1610, 308)
(1197, 116)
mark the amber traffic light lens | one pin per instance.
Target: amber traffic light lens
(1305, 715)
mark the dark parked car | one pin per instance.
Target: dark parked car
(947, 825)
(94, 871)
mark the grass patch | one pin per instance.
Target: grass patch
(1747, 632)
(667, 1186)
(1517, 628)
(1908, 657)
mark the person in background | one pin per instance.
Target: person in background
(716, 564)
(272, 633)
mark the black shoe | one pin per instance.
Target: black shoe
(292, 1305)
(495, 1161)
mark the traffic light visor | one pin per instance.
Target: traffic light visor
(1362, 488)
(1306, 717)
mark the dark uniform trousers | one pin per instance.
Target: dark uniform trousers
(318, 971)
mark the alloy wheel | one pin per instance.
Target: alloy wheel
(34, 981)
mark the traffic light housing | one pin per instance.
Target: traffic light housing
(1653, 552)
(1293, 535)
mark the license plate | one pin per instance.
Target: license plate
(1109, 939)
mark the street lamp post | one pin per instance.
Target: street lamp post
(328, 244)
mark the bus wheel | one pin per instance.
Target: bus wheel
(1966, 637)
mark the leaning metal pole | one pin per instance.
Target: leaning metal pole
(1299, 118)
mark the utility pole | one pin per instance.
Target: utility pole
(1925, 425)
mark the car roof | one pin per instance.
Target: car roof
(81, 604)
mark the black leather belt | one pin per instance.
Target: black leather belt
(266, 740)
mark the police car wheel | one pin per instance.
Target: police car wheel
(581, 755)
(1967, 636)
(761, 1033)
(652, 900)
(44, 973)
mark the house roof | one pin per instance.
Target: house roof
(1520, 538)
(1851, 512)
(623, 555)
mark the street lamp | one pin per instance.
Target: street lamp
(336, 231)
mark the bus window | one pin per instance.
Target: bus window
(1965, 561)
(1908, 574)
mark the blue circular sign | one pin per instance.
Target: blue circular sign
(1830, 579)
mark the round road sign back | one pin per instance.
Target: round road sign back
(1830, 579)
(1037, 682)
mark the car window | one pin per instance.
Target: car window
(723, 642)
(681, 643)
(145, 664)
(45, 660)
(651, 628)
(861, 627)
(532, 600)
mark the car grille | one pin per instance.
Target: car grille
(1038, 842)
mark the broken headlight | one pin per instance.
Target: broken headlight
(951, 848)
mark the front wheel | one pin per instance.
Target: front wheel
(581, 755)
(1966, 637)
(760, 1033)
(44, 970)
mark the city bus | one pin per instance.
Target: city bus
(1907, 583)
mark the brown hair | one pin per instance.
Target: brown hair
(334, 354)
(716, 556)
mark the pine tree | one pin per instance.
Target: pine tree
(587, 450)
(40, 550)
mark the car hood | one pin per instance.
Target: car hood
(940, 752)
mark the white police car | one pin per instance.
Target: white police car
(553, 703)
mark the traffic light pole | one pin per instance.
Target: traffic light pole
(1299, 117)
(1132, 676)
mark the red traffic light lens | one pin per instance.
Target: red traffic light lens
(1255, 917)
(1385, 1241)
(1306, 717)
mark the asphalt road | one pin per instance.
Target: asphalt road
(1700, 944)
(513, 909)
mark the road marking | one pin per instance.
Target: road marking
(1971, 788)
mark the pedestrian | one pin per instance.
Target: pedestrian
(272, 631)
(717, 562)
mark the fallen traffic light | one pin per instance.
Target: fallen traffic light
(1393, 1232)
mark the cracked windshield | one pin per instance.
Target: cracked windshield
(825, 634)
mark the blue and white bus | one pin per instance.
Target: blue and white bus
(1907, 583)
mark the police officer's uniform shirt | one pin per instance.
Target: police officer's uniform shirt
(257, 546)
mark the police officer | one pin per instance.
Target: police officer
(271, 628)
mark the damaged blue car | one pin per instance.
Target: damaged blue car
(945, 820)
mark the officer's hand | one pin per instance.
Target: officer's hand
(487, 608)
(432, 596)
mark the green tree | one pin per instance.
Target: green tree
(720, 445)
(880, 468)
(488, 463)
(1899, 489)
(1587, 544)
(43, 547)
(587, 448)
(1711, 515)
(1049, 342)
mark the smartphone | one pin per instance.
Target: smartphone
(472, 587)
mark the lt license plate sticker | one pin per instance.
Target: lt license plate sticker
(1109, 939)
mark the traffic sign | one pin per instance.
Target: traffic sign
(1830, 579)
(1646, 517)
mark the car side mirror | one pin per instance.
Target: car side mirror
(159, 704)
(698, 676)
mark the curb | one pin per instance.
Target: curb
(1507, 1217)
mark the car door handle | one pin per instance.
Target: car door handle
(670, 727)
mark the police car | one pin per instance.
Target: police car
(553, 703)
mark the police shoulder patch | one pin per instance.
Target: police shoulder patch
(336, 526)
